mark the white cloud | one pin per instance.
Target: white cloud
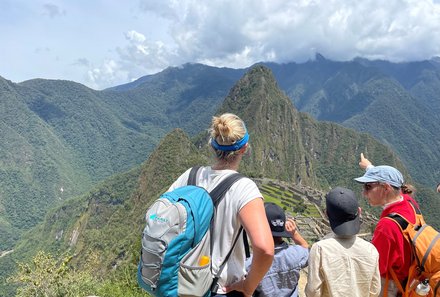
(140, 57)
(107, 74)
(257, 30)
(239, 33)
(133, 38)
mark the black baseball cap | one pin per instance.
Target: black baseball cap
(343, 211)
(277, 220)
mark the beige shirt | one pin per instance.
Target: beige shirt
(343, 267)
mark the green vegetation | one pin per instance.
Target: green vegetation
(61, 135)
(46, 276)
(104, 225)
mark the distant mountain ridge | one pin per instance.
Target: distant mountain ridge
(78, 136)
(286, 145)
(395, 102)
(98, 221)
(355, 94)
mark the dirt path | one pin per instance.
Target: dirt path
(2, 254)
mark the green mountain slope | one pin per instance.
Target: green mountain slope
(290, 145)
(396, 103)
(59, 139)
(35, 166)
(77, 136)
(183, 97)
(105, 224)
(74, 136)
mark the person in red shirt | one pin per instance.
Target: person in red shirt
(382, 187)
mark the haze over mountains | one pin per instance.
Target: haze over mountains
(61, 138)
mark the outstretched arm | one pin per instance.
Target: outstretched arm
(296, 236)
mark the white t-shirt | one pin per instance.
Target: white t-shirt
(226, 221)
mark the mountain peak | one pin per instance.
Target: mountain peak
(319, 57)
(254, 93)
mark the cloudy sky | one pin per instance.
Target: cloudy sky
(103, 43)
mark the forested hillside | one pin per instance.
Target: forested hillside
(104, 225)
(60, 138)
(397, 103)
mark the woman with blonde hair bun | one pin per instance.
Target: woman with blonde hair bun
(242, 205)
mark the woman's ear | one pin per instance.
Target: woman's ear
(244, 149)
(387, 187)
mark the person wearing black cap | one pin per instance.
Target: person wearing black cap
(343, 264)
(282, 278)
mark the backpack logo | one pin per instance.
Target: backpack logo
(158, 219)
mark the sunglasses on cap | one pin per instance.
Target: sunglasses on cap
(369, 186)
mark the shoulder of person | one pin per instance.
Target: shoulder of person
(368, 245)
(387, 228)
(245, 182)
(296, 248)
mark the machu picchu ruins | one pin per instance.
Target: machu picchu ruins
(307, 206)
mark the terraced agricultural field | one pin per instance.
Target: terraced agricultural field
(288, 200)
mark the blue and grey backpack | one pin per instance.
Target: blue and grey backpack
(176, 236)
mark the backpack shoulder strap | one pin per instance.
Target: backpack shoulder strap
(420, 220)
(220, 190)
(216, 195)
(192, 179)
(416, 209)
(400, 220)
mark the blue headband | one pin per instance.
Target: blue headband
(233, 147)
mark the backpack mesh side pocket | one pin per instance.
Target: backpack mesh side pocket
(196, 280)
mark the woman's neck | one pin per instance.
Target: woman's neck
(224, 166)
(227, 165)
(392, 200)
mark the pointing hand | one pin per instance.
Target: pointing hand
(364, 163)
